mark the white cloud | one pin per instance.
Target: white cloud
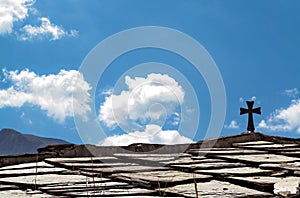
(12, 11)
(291, 92)
(147, 99)
(52, 93)
(152, 134)
(284, 119)
(45, 30)
(233, 125)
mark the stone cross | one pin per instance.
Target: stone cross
(250, 112)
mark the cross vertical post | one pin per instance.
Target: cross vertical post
(250, 112)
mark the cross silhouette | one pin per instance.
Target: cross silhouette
(250, 112)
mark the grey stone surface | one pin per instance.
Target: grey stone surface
(224, 151)
(260, 158)
(295, 166)
(247, 165)
(166, 177)
(215, 189)
(209, 165)
(253, 143)
(269, 146)
(236, 171)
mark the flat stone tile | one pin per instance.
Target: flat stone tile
(21, 194)
(97, 165)
(169, 176)
(295, 166)
(27, 165)
(195, 160)
(261, 158)
(4, 187)
(51, 179)
(290, 153)
(80, 159)
(253, 143)
(156, 159)
(226, 151)
(236, 171)
(287, 187)
(31, 170)
(264, 180)
(297, 173)
(208, 165)
(112, 192)
(124, 169)
(214, 189)
(268, 146)
(62, 187)
(138, 155)
(85, 188)
(184, 160)
(289, 149)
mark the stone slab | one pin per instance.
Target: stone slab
(26, 165)
(253, 143)
(184, 160)
(236, 171)
(289, 149)
(290, 153)
(96, 165)
(288, 187)
(264, 180)
(167, 177)
(63, 187)
(119, 169)
(227, 151)
(139, 155)
(80, 159)
(215, 189)
(51, 179)
(31, 170)
(27, 193)
(4, 187)
(269, 146)
(156, 159)
(208, 165)
(295, 166)
(261, 158)
(111, 192)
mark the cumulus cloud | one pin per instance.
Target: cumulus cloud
(284, 119)
(60, 95)
(12, 11)
(151, 134)
(151, 99)
(232, 125)
(45, 30)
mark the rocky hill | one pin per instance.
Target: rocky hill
(13, 142)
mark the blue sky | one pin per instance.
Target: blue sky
(255, 45)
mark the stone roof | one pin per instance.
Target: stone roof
(246, 165)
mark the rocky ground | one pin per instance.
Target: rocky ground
(247, 165)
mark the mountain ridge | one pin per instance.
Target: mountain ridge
(13, 142)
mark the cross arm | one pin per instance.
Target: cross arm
(257, 110)
(243, 111)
